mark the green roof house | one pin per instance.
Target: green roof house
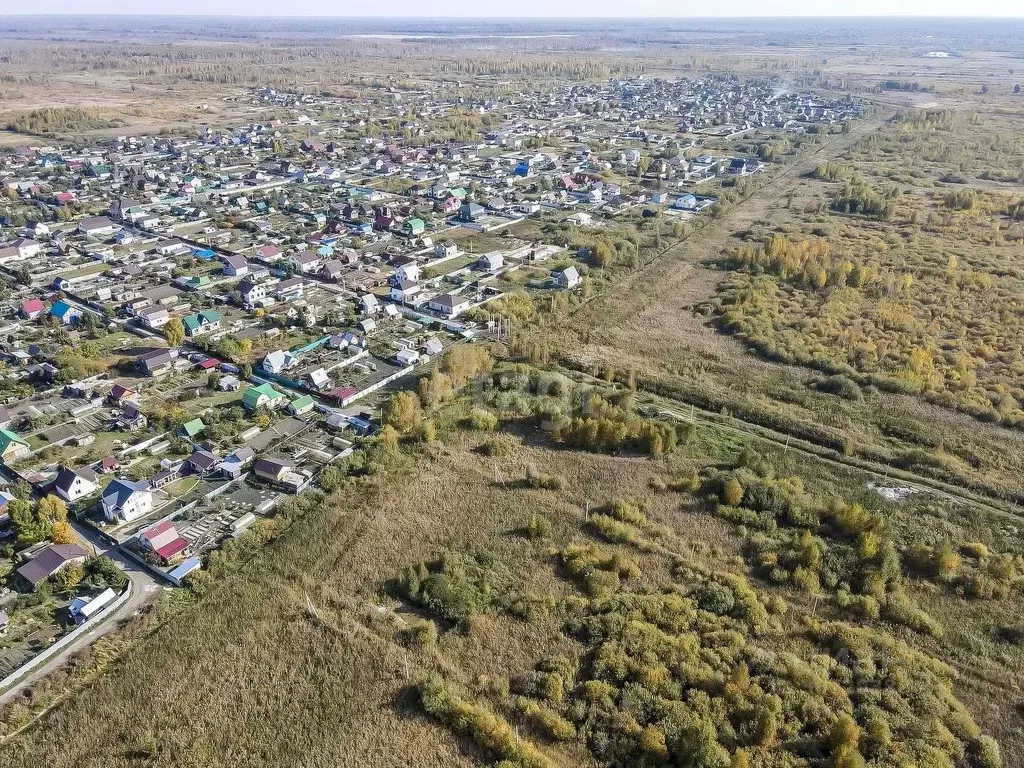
(194, 428)
(206, 321)
(12, 447)
(301, 405)
(262, 396)
(196, 282)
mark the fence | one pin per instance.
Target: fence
(64, 642)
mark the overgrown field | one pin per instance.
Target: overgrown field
(909, 279)
(609, 604)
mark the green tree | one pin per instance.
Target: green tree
(732, 492)
(403, 413)
(174, 332)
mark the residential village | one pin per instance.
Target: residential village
(194, 327)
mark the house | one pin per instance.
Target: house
(333, 269)
(405, 291)
(206, 321)
(157, 363)
(306, 262)
(272, 470)
(686, 202)
(253, 294)
(193, 429)
(446, 250)
(567, 278)
(367, 325)
(580, 219)
(744, 166)
(154, 317)
(126, 500)
(301, 405)
(235, 265)
(470, 212)
(369, 304)
(12, 447)
(72, 485)
(449, 304)
(234, 463)
(407, 357)
(318, 378)
(95, 226)
(163, 541)
(433, 346)
(278, 360)
(27, 247)
(120, 394)
(290, 289)
(490, 261)
(164, 476)
(171, 247)
(268, 252)
(413, 227)
(32, 308)
(408, 270)
(49, 561)
(84, 608)
(65, 312)
(262, 396)
(201, 461)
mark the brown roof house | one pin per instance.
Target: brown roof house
(50, 560)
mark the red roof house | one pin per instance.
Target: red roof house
(32, 308)
(163, 540)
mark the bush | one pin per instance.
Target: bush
(488, 730)
(421, 634)
(537, 479)
(499, 445)
(842, 386)
(715, 598)
(545, 719)
(732, 492)
(537, 527)
(482, 420)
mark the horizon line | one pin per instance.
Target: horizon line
(407, 17)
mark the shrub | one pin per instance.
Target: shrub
(842, 386)
(976, 550)
(482, 420)
(545, 719)
(714, 598)
(491, 732)
(420, 634)
(537, 479)
(532, 607)
(537, 527)
(499, 445)
(732, 492)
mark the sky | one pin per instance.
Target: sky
(528, 8)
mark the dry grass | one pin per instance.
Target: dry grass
(332, 690)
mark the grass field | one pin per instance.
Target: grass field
(301, 647)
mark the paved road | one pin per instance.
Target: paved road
(145, 587)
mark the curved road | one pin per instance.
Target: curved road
(144, 586)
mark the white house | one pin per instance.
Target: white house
(405, 291)
(567, 278)
(126, 500)
(450, 304)
(72, 485)
(491, 261)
